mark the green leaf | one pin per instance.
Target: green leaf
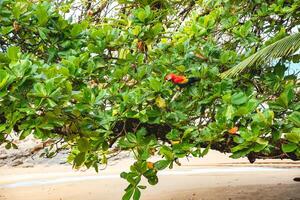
(123, 143)
(240, 153)
(128, 194)
(8, 145)
(241, 146)
(148, 10)
(205, 151)
(249, 107)
(262, 141)
(265, 118)
(141, 15)
(156, 29)
(5, 30)
(238, 139)
(78, 28)
(131, 137)
(12, 53)
(20, 68)
(260, 145)
(286, 97)
(294, 117)
(239, 98)
(42, 33)
(276, 135)
(83, 145)
(142, 187)
(137, 194)
(229, 112)
(162, 164)
(40, 90)
(155, 84)
(51, 103)
(2, 127)
(14, 146)
(187, 132)
(24, 134)
(42, 14)
(245, 29)
(133, 178)
(167, 152)
(294, 135)
(173, 135)
(136, 30)
(153, 180)
(105, 146)
(3, 78)
(79, 159)
(123, 175)
(19, 8)
(289, 147)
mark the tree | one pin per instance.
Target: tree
(91, 73)
(279, 49)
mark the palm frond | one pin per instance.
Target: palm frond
(281, 48)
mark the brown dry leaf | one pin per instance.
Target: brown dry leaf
(200, 56)
(16, 26)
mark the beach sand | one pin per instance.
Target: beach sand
(214, 177)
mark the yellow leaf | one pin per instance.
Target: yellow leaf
(160, 102)
(175, 142)
(114, 112)
(181, 68)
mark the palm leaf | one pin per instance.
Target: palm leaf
(281, 48)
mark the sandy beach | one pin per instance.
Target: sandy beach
(214, 177)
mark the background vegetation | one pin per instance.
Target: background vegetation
(91, 74)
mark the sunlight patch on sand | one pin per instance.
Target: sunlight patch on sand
(62, 179)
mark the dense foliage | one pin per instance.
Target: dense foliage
(91, 74)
